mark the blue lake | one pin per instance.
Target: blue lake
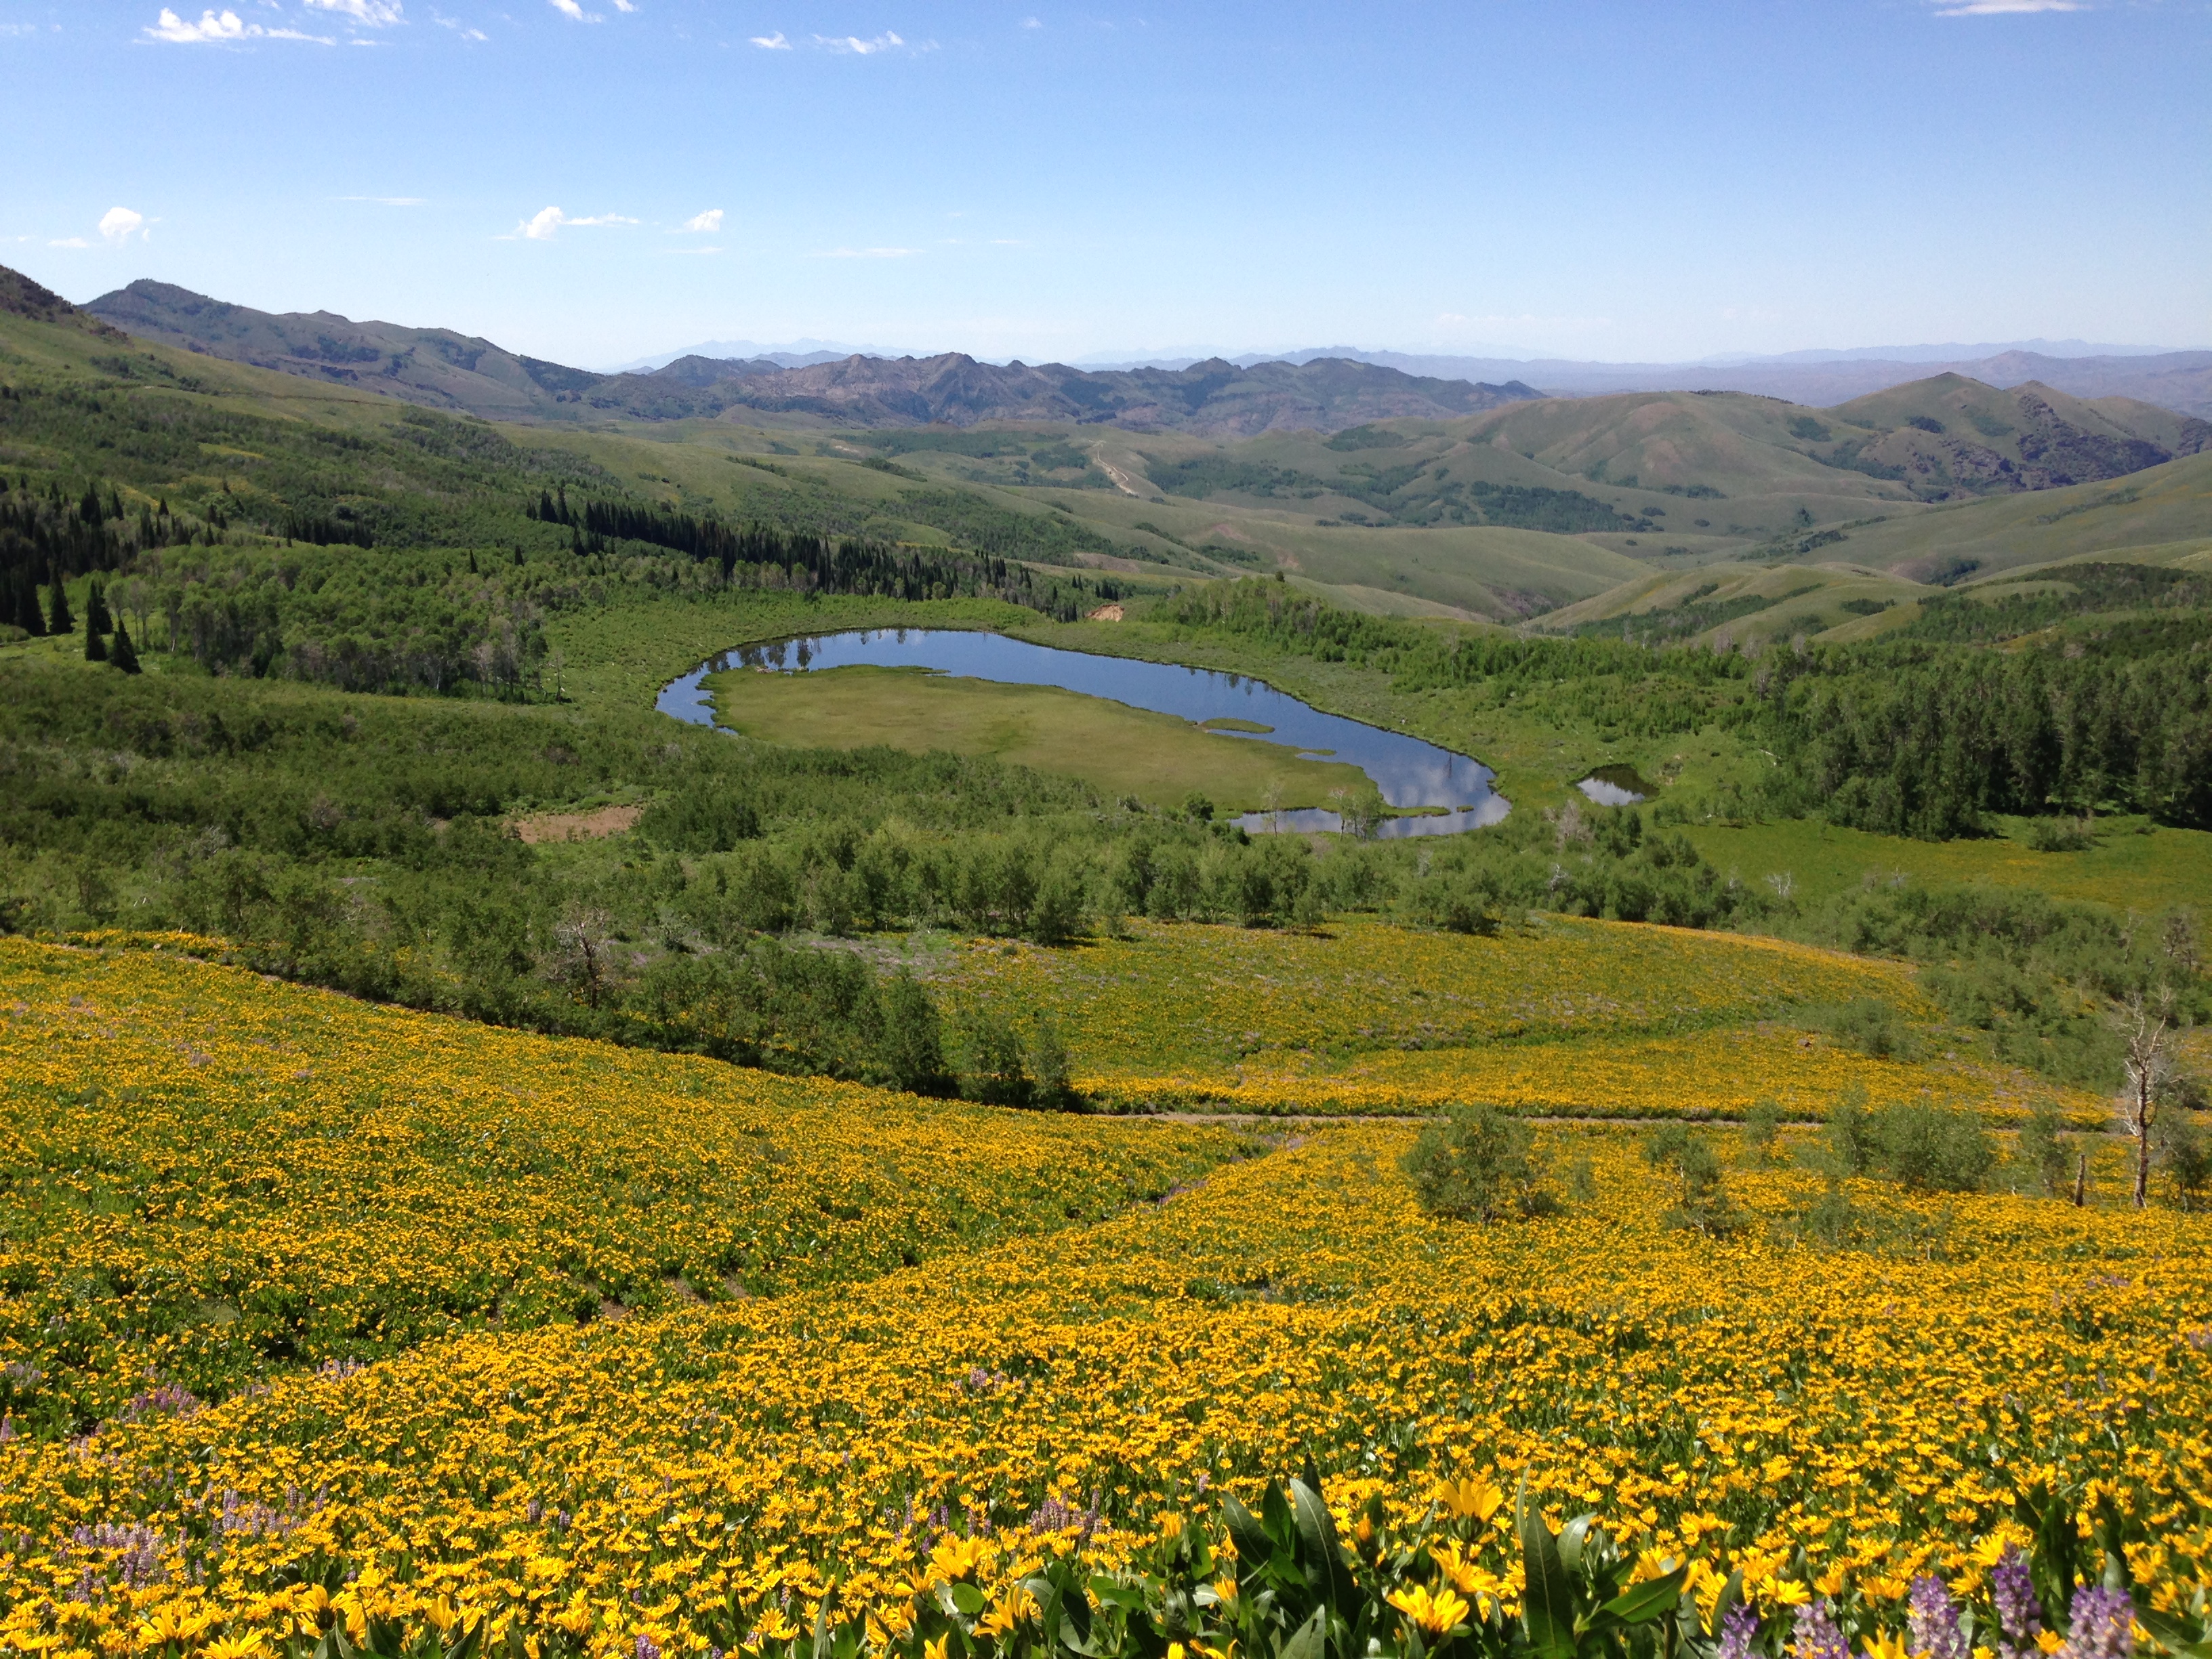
(1410, 773)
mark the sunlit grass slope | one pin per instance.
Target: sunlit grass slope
(1562, 1017)
(2132, 865)
(216, 1176)
(2162, 514)
(702, 1478)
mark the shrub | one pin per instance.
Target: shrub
(2184, 1151)
(1872, 1026)
(2061, 835)
(1853, 1145)
(1761, 1125)
(1479, 1164)
(996, 1071)
(1703, 1204)
(707, 817)
(912, 1044)
(1936, 1149)
(2048, 1151)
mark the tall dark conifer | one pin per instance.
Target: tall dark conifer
(59, 618)
(96, 619)
(124, 656)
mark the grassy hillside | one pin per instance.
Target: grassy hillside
(309, 1179)
(1564, 1018)
(832, 1458)
(2160, 515)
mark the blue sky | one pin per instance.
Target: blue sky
(592, 181)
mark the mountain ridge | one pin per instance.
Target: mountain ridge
(442, 369)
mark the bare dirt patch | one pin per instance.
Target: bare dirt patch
(577, 826)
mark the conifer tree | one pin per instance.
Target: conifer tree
(24, 597)
(124, 656)
(59, 618)
(96, 619)
(95, 648)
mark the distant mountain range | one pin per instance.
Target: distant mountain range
(2179, 380)
(1322, 388)
(442, 369)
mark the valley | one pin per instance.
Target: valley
(925, 1164)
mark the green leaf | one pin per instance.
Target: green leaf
(1547, 1609)
(1312, 1639)
(2173, 1634)
(1639, 1604)
(1324, 1559)
(968, 1599)
(1570, 1541)
(1113, 1593)
(1246, 1533)
(1275, 1516)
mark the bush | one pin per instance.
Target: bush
(2048, 1151)
(707, 817)
(1936, 1149)
(2184, 1151)
(1479, 1164)
(1928, 1149)
(911, 1044)
(1762, 1124)
(2061, 835)
(996, 1071)
(1873, 1027)
(1853, 1145)
(1704, 1205)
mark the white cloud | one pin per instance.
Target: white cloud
(541, 225)
(853, 43)
(2006, 8)
(625, 5)
(706, 223)
(868, 252)
(376, 14)
(219, 26)
(569, 9)
(119, 224)
(69, 241)
(772, 42)
(1031, 23)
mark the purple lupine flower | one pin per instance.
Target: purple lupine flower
(2104, 1625)
(648, 1648)
(1737, 1630)
(1932, 1622)
(2020, 1618)
(1816, 1636)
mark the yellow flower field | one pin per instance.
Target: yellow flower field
(1717, 1073)
(210, 1175)
(1564, 1018)
(702, 1477)
(1060, 1372)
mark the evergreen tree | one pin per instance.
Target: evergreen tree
(95, 648)
(59, 618)
(96, 619)
(124, 656)
(24, 597)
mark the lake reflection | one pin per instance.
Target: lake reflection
(1410, 773)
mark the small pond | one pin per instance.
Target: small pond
(1410, 773)
(1616, 785)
